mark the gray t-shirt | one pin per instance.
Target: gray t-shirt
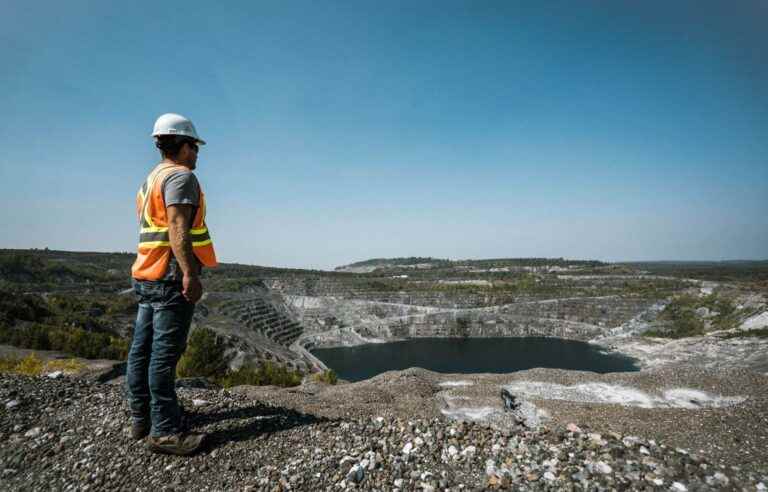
(180, 188)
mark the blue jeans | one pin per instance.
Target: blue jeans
(159, 339)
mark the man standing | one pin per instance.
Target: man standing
(174, 244)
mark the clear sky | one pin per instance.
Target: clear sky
(340, 131)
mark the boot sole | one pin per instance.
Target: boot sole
(155, 448)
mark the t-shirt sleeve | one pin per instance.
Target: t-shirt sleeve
(181, 188)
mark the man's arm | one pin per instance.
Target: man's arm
(179, 222)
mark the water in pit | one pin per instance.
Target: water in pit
(471, 355)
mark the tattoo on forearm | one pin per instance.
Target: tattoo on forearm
(181, 245)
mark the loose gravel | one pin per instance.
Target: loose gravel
(73, 434)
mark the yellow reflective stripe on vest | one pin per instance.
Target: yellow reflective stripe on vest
(155, 235)
(154, 244)
(150, 188)
(199, 238)
(162, 244)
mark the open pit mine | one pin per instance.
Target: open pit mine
(694, 416)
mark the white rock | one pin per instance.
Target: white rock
(722, 479)
(678, 487)
(551, 463)
(398, 483)
(622, 395)
(418, 441)
(408, 447)
(469, 450)
(12, 404)
(644, 450)
(603, 467)
(630, 441)
(761, 486)
(55, 374)
(199, 403)
(756, 321)
(549, 476)
(490, 467)
(573, 428)
(33, 432)
(452, 451)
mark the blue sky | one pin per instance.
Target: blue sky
(340, 131)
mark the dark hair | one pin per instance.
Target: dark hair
(170, 145)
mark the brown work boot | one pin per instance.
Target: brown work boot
(139, 430)
(182, 444)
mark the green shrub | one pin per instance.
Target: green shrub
(22, 307)
(75, 341)
(268, 373)
(204, 356)
(20, 264)
(32, 365)
(758, 333)
(684, 322)
(328, 376)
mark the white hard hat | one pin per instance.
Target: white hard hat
(175, 124)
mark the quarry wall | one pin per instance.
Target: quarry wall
(281, 320)
(327, 318)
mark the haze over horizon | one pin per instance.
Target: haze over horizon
(612, 131)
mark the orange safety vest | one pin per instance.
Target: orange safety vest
(154, 253)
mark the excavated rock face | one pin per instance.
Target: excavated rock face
(256, 326)
(280, 320)
(327, 318)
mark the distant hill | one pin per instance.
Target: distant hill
(376, 263)
(418, 262)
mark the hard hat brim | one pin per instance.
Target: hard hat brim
(196, 139)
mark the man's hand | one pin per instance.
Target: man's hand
(192, 288)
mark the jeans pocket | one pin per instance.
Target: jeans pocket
(171, 296)
(149, 291)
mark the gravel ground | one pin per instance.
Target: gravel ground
(67, 433)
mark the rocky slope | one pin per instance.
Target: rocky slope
(387, 433)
